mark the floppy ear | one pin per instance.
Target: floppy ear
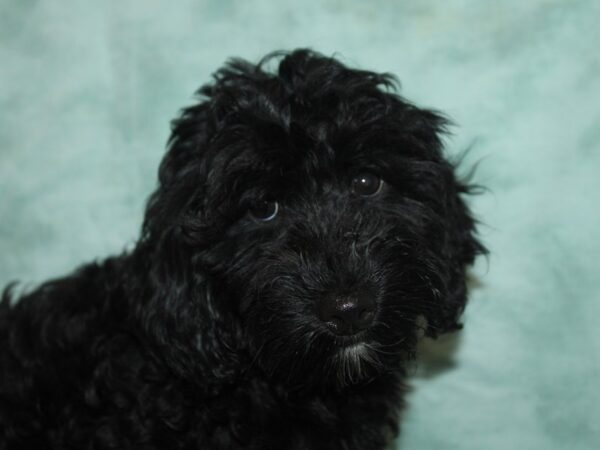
(183, 315)
(452, 234)
(459, 249)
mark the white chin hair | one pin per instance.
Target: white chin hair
(352, 362)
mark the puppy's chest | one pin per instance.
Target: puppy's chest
(259, 415)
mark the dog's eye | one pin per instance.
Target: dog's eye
(366, 184)
(264, 210)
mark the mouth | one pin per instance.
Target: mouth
(344, 342)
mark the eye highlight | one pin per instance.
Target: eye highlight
(264, 210)
(366, 184)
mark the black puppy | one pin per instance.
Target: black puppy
(305, 228)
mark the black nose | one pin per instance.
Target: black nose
(346, 315)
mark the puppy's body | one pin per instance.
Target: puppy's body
(79, 372)
(304, 223)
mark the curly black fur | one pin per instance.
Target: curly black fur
(206, 335)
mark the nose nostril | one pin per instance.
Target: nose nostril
(366, 315)
(335, 324)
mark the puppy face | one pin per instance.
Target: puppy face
(320, 205)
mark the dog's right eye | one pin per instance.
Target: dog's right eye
(264, 210)
(366, 184)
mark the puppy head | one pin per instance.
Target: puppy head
(320, 207)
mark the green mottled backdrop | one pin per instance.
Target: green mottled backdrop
(87, 90)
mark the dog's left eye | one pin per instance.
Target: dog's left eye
(366, 184)
(264, 210)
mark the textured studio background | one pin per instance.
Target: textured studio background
(87, 90)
